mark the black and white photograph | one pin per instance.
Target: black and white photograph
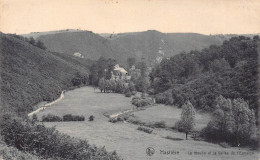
(129, 79)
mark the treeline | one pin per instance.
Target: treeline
(32, 41)
(232, 122)
(100, 75)
(116, 86)
(230, 70)
(101, 69)
(55, 118)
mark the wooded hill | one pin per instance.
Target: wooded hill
(230, 70)
(150, 46)
(30, 75)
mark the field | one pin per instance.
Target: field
(169, 114)
(124, 137)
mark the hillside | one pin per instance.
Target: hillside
(88, 44)
(150, 45)
(153, 45)
(30, 75)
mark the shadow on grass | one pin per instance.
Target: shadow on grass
(174, 139)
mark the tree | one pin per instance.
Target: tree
(187, 122)
(130, 61)
(232, 122)
(94, 75)
(219, 65)
(109, 68)
(102, 84)
(41, 45)
(244, 120)
(131, 86)
(32, 41)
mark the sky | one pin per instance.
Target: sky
(118, 16)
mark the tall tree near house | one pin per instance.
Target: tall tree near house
(94, 75)
(187, 122)
(102, 84)
(130, 61)
(110, 66)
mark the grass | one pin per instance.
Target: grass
(168, 114)
(123, 137)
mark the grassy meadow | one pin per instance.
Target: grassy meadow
(124, 137)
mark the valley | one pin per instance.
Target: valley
(124, 137)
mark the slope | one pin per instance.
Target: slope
(30, 75)
(150, 45)
(153, 45)
(90, 45)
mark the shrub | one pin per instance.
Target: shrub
(128, 93)
(69, 117)
(91, 118)
(145, 129)
(10, 153)
(164, 98)
(51, 118)
(34, 118)
(113, 120)
(141, 102)
(159, 124)
(131, 86)
(172, 138)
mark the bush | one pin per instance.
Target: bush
(51, 118)
(48, 143)
(113, 120)
(164, 98)
(128, 94)
(141, 102)
(172, 138)
(11, 153)
(159, 124)
(91, 118)
(145, 129)
(69, 117)
(34, 118)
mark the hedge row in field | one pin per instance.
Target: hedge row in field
(67, 117)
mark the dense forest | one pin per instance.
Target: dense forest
(230, 70)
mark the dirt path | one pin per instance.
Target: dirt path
(120, 113)
(47, 105)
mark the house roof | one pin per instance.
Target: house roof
(120, 69)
